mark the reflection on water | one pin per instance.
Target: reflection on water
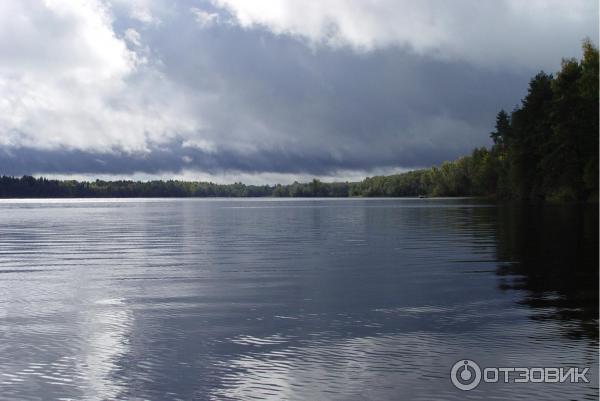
(292, 299)
(555, 254)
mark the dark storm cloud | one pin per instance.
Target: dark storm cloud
(24, 161)
(381, 107)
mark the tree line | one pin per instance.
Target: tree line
(546, 148)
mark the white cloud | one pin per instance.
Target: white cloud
(133, 37)
(141, 11)
(522, 33)
(68, 81)
(204, 18)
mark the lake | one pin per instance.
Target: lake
(316, 299)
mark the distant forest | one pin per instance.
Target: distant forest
(544, 149)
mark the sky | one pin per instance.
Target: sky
(266, 91)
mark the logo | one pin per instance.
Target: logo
(465, 374)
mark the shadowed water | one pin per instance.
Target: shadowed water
(346, 299)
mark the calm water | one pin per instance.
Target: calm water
(292, 299)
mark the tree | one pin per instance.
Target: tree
(502, 128)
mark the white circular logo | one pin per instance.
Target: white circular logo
(465, 374)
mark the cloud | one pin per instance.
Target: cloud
(133, 37)
(204, 18)
(140, 10)
(68, 81)
(505, 33)
(273, 87)
(177, 156)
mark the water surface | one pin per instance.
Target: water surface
(349, 299)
